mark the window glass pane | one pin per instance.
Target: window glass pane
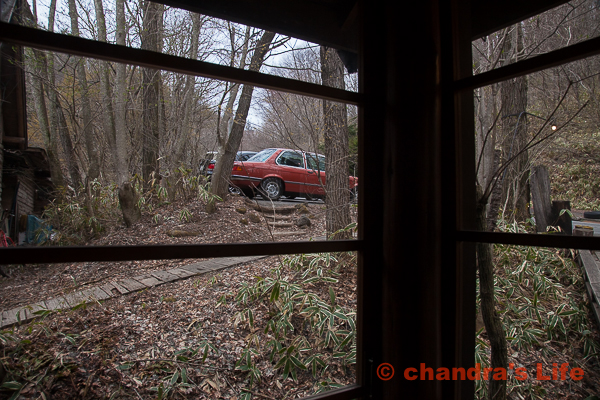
(262, 155)
(563, 26)
(151, 140)
(169, 30)
(281, 326)
(539, 296)
(291, 159)
(315, 161)
(537, 147)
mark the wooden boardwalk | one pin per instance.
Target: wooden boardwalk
(590, 261)
(118, 288)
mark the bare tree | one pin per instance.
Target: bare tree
(188, 92)
(58, 123)
(114, 122)
(151, 38)
(335, 133)
(87, 128)
(515, 190)
(38, 71)
(222, 173)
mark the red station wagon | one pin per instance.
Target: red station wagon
(284, 172)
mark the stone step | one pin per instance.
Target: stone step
(270, 209)
(277, 217)
(280, 224)
(288, 233)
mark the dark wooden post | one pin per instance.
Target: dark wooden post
(540, 194)
(564, 221)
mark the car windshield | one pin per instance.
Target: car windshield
(262, 156)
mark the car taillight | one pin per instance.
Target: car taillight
(237, 168)
(211, 166)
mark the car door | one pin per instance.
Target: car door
(315, 177)
(290, 166)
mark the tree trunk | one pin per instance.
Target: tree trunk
(62, 131)
(486, 134)
(87, 128)
(108, 116)
(495, 196)
(117, 139)
(540, 193)
(38, 68)
(224, 127)
(86, 109)
(188, 97)
(151, 40)
(491, 319)
(127, 195)
(335, 133)
(515, 185)
(222, 172)
(58, 123)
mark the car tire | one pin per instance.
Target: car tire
(272, 188)
(235, 190)
(591, 214)
(249, 193)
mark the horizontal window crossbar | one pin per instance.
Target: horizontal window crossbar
(525, 239)
(37, 255)
(40, 39)
(554, 58)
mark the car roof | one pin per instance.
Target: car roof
(296, 150)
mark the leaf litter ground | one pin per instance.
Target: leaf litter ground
(177, 340)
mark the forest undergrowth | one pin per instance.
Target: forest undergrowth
(541, 297)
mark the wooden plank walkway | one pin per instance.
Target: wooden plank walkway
(590, 261)
(118, 288)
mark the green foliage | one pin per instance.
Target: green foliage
(77, 217)
(326, 385)
(307, 327)
(178, 379)
(246, 364)
(28, 363)
(538, 295)
(185, 215)
(205, 195)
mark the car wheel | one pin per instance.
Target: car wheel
(591, 214)
(272, 188)
(235, 190)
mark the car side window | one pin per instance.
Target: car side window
(291, 159)
(311, 160)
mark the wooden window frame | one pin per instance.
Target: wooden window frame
(454, 344)
(44, 40)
